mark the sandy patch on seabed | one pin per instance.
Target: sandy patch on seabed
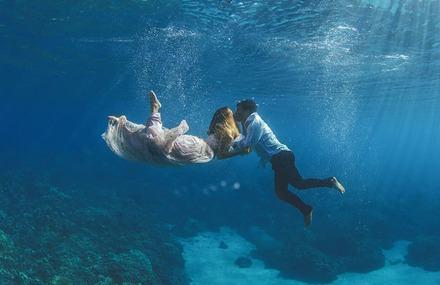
(206, 263)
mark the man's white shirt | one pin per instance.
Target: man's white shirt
(261, 138)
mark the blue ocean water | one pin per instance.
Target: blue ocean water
(351, 87)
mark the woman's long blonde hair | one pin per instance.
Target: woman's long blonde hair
(223, 124)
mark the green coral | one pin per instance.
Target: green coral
(61, 280)
(6, 246)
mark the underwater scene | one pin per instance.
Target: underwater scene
(94, 190)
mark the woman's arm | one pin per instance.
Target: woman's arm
(224, 153)
(233, 153)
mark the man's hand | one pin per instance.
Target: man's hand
(247, 150)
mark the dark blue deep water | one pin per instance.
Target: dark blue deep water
(352, 87)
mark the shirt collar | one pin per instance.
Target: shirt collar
(251, 117)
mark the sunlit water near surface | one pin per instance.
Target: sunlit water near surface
(351, 87)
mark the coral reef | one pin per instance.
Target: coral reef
(50, 235)
(122, 229)
(6, 246)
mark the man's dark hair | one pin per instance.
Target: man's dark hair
(248, 104)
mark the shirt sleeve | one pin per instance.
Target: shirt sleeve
(253, 134)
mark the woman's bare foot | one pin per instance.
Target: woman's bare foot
(155, 105)
(338, 186)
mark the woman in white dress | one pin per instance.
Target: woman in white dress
(161, 147)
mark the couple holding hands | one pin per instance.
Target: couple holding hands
(161, 147)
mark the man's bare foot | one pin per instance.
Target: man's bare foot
(154, 102)
(338, 186)
(308, 219)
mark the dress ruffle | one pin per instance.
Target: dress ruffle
(156, 145)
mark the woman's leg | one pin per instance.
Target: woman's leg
(155, 105)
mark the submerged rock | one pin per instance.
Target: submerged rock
(425, 252)
(223, 245)
(317, 256)
(309, 264)
(243, 262)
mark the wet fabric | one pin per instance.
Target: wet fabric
(155, 144)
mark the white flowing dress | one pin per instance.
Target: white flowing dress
(157, 145)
